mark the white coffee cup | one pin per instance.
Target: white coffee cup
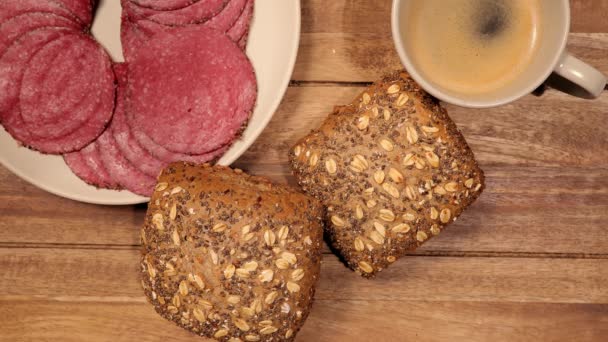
(551, 57)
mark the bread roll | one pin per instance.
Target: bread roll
(392, 169)
(231, 256)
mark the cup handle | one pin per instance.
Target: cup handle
(581, 73)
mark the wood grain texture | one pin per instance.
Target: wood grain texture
(113, 275)
(373, 16)
(524, 209)
(365, 56)
(335, 321)
(589, 15)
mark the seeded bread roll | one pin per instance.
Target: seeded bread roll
(231, 256)
(392, 169)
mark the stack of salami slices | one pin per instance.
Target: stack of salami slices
(144, 18)
(56, 82)
(185, 93)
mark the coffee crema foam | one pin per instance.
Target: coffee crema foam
(471, 46)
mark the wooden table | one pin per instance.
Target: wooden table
(529, 261)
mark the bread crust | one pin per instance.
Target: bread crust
(393, 170)
(231, 256)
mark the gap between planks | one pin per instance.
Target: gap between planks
(326, 251)
(67, 275)
(298, 83)
(336, 321)
(320, 83)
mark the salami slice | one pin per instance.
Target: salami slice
(73, 141)
(43, 103)
(131, 37)
(17, 26)
(13, 8)
(137, 34)
(128, 146)
(198, 113)
(12, 67)
(241, 26)
(198, 12)
(228, 16)
(161, 153)
(150, 28)
(76, 162)
(121, 170)
(88, 166)
(243, 41)
(139, 156)
(82, 9)
(67, 84)
(164, 5)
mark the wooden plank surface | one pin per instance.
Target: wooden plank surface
(527, 262)
(470, 297)
(373, 16)
(364, 57)
(524, 209)
(113, 275)
(340, 321)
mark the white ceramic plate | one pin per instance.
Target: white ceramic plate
(273, 46)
